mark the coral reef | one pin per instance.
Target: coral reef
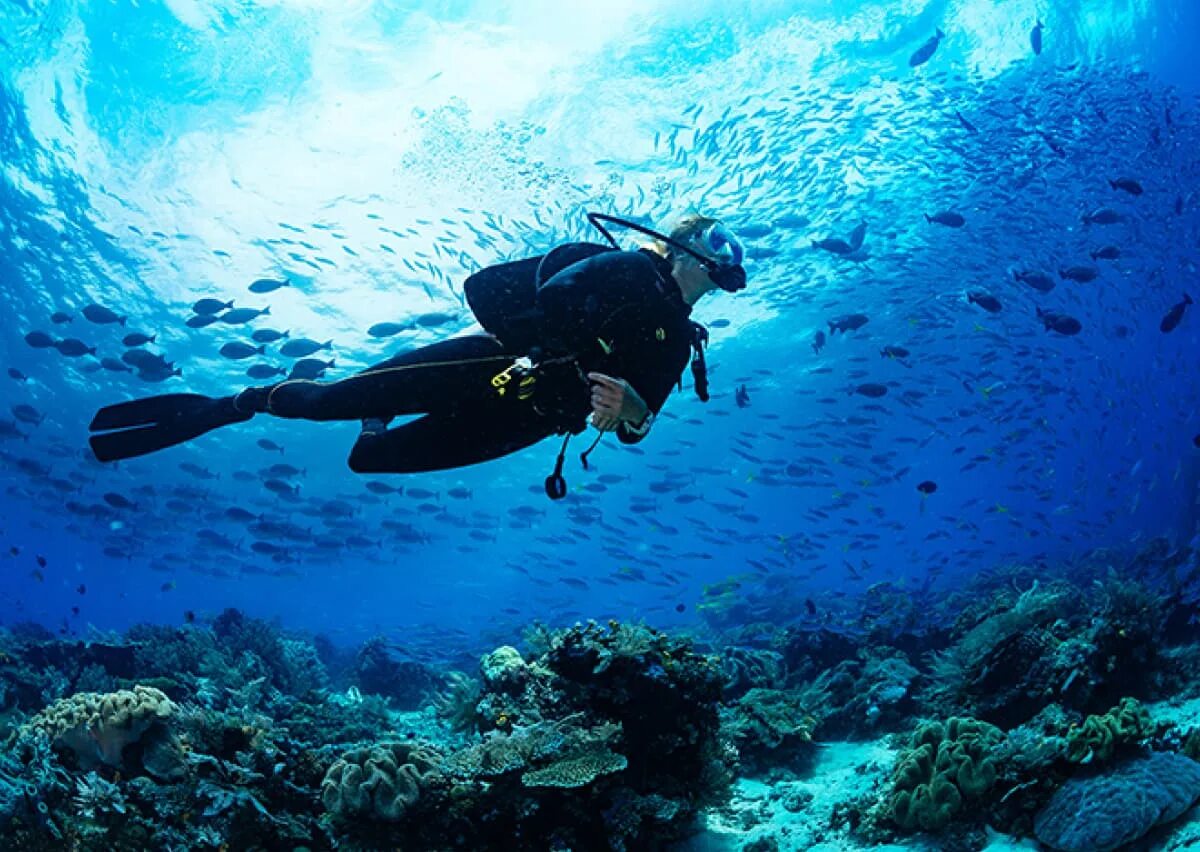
(381, 669)
(98, 728)
(771, 730)
(1100, 738)
(945, 768)
(1099, 813)
(380, 782)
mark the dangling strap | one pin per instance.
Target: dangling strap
(699, 366)
(556, 486)
(583, 457)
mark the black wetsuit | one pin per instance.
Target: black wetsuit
(616, 312)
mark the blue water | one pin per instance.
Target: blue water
(375, 154)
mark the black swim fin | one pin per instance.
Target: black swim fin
(142, 426)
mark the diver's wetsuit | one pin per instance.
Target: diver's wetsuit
(616, 312)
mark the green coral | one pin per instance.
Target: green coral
(945, 767)
(1099, 738)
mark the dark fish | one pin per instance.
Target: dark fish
(189, 617)
(1082, 274)
(309, 368)
(848, 322)
(925, 52)
(267, 285)
(386, 329)
(1106, 253)
(1171, 321)
(968, 125)
(894, 352)
(16, 375)
(41, 561)
(719, 323)
(265, 371)
(1196, 442)
(39, 340)
(742, 396)
(834, 246)
(72, 348)
(947, 217)
(201, 320)
(137, 338)
(871, 389)
(818, 342)
(1127, 185)
(858, 235)
(119, 501)
(59, 318)
(1035, 37)
(434, 319)
(1102, 216)
(985, 300)
(142, 359)
(459, 493)
(302, 347)
(101, 315)
(237, 350)
(114, 365)
(278, 486)
(211, 306)
(927, 487)
(376, 487)
(241, 316)
(8, 429)
(268, 335)
(680, 607)
(28, 414)
(270, 446)
(1039, 281)
(284, 470)
(1063, 324)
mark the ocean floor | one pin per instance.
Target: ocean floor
(799, 815)
(790, 816)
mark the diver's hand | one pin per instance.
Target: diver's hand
(614, 400)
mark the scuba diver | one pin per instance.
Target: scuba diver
(586, 329)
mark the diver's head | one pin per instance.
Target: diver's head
(713, 262)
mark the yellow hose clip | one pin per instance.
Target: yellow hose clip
(520, 367)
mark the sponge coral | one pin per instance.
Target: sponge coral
(945, 766)
(381, 782)
(97, 727)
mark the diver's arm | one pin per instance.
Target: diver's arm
(653, 388)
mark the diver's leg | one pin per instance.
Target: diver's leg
(441, 375)
(450, 439)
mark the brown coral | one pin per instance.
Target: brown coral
(97, 727)
(381, 782)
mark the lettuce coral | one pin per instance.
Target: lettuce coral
(97, 727)
(381, 782)
(945, 767)
(1101, 737)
